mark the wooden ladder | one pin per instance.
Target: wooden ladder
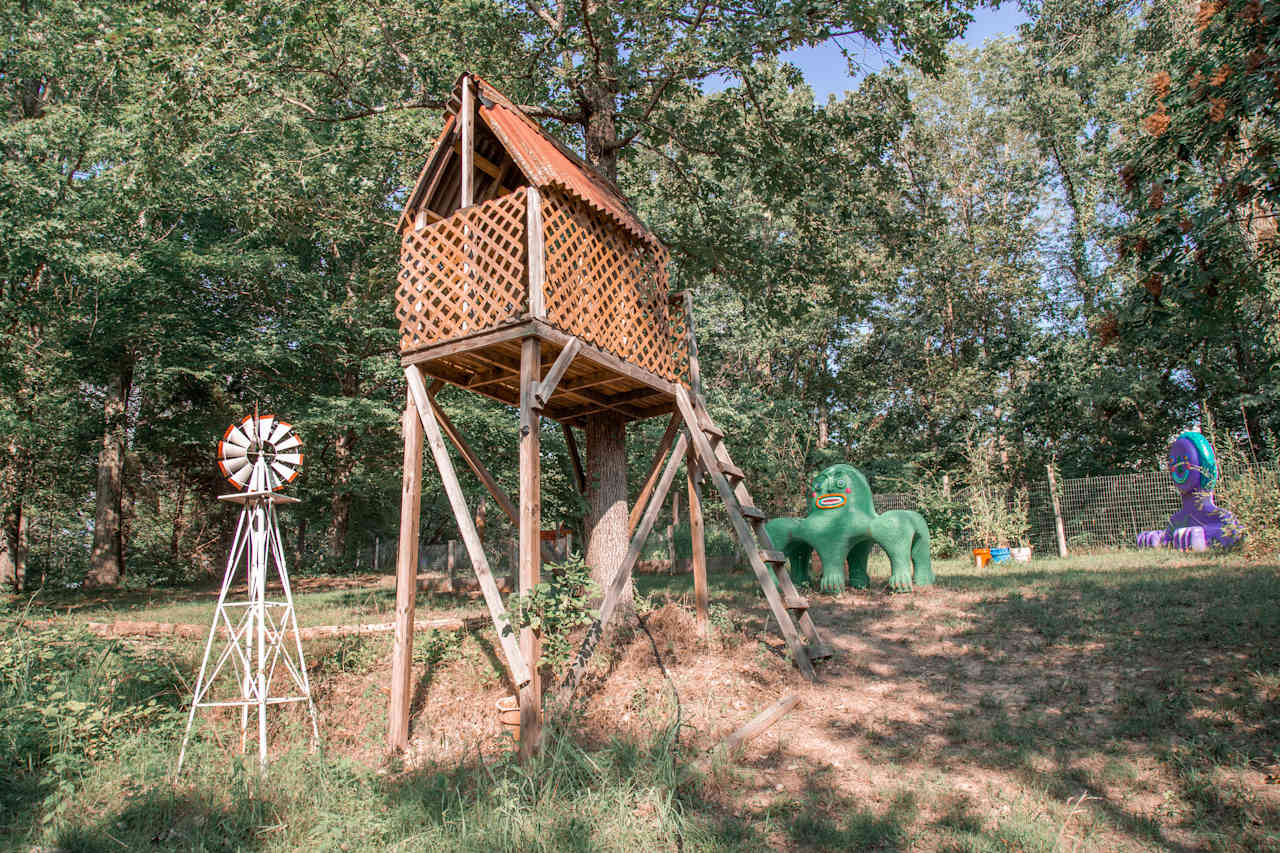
(788, 608)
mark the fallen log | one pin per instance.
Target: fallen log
(177, 629)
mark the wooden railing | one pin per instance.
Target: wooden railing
(471, 272)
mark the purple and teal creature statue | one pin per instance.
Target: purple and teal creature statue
(1200, 523)
(842, 524)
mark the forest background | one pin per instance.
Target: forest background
(1055, 249)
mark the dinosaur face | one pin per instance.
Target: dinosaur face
(1191, 463)
(835, 488)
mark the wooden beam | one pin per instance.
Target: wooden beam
(604, 403)
(466, 343)
(530, 540)
(655, 468)
(406, 580)
(519, 667)
(468, 143)
(477, 467)
(537, 260)
(482, 163)
(618, 581)
(575, 458)
(707, 458)
(639, 374)
(491, 377)
(758, 724)
(697, 540)
(544, 389)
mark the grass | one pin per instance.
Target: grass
(1126, 701)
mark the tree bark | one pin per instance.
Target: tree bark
(607, 499)
(340, 506)
(13, 560)
(106, 562)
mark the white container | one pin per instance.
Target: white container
(1022, 555)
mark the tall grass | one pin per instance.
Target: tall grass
(1249, 490)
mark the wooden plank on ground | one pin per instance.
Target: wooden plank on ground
(758, 724)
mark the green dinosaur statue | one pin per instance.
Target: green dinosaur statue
(843, 523)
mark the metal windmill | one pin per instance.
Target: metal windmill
(259, 455)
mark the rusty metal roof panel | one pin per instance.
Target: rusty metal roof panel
(547, 162)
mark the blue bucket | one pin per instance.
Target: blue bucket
(1000, 555)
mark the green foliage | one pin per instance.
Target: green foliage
(557, 606)
(69, 700)
(997, 510)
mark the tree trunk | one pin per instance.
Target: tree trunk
(601, 129)
(13, 560)
(340, 506)
(106, 562)
(607, 499)
(300, 547)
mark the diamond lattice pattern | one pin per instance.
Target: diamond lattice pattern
(606, 287)
(463, 274)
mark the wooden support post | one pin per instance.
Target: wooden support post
(477, 467)
(537, 255)
(655, 468)
(406, 581)
(575, 458)
(547, 387)
(466, 526)
(698, 556)
(1057, 513)
(530, 539)
(467, 115)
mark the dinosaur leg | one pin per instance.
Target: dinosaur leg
(858, 555)
(832, 555)
(799, 555)
(922, 563)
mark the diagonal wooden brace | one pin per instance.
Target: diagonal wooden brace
(478, 468)
(466, 526)
(619, 580)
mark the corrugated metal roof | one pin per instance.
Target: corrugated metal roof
(547, 162)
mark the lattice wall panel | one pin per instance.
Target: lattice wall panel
(463, 274)
(680, 322)
(606, 287)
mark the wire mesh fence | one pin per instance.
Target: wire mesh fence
(1097, 512)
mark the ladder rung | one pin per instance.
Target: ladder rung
(731, 470)
(772, 556)
(820, 653)
(796, 604)
(709, 427)
(752, 513)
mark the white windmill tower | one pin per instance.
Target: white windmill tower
(259, 455)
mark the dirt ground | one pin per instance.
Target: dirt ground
(1109, 711)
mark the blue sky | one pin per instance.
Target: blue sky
(827, 72)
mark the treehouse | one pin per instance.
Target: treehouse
(525, 276)
(509, 234)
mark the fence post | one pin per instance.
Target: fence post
(1057, 513)
(451, 562)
